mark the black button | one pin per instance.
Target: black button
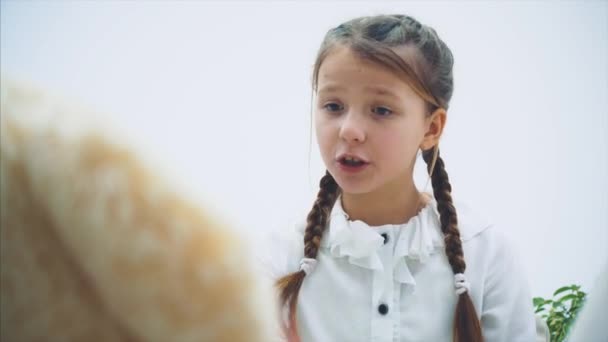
(385, 236)
(383, 309)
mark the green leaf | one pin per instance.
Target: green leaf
(561, 289)
(566, 298)
(538, 301)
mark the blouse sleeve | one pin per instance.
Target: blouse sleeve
(278, 252)
(507, 310)
(276, 256)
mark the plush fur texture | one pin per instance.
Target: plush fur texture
(96, 247)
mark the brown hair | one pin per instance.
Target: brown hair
(427, 68)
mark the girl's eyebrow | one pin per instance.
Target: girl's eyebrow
(377, 90)
(382, 91)
(331, 88)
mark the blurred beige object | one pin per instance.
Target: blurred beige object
(96, 247)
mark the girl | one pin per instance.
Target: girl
(376, 260)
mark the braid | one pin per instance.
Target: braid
(317, 219)
(316, 224)
(466, 323)
(442, 189)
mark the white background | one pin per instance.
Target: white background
(220, 92)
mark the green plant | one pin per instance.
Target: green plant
(560, 312)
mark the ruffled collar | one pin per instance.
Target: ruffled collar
(417, 239)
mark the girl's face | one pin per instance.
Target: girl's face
(365, 111)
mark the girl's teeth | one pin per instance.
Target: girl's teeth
(352, 162)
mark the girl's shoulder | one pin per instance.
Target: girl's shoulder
(280, 249)
(471, 223)
(485, 240)
(478, 230)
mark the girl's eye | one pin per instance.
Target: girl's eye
(382, 111)
(333, 107)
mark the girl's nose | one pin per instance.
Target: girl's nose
(353, 128)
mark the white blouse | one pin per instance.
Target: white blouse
(394, 282)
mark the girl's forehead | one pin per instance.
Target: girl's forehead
(344, 69)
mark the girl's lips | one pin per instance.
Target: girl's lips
(354, 156)
(352, 169)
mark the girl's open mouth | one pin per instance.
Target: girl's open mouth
(351, 165)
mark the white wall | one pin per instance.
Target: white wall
(221, 91)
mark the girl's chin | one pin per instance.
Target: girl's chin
(353, 188)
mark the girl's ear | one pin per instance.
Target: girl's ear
(434, 128)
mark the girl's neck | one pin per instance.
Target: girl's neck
(392, 206)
